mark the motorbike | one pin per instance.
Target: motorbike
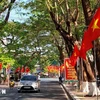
(60, 80)
(11, 83)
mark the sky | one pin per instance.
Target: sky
(17, 17)
(16, 14)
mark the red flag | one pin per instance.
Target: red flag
(92, 33)
(0, 66)
(17, 69)
(86, 45)
(27, 70)
(22, 70)
(94, 27)
(74, 56)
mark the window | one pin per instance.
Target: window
(29, 78)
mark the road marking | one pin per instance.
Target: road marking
(18, 97)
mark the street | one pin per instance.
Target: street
(50, 90)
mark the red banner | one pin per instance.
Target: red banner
(27, 70)
(22, 70)
(0, 66)
(70, 72)
(53, 68)
(17, 69)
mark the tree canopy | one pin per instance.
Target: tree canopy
(44, 32)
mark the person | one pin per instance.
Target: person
(2, 78)
(11, 83)
(60, 79)
(38, 76)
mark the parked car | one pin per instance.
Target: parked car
(29, 83)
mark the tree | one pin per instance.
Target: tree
(6, 5)
(26, 42)
(88, 13)
(29, 40)
(66, 19)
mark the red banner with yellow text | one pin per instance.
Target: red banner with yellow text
(70, 72)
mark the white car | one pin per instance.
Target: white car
(29, 83)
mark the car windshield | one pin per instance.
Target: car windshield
(29, 78)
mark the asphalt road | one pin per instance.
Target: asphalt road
(50, 90)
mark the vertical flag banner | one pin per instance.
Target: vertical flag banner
(70, 72)
(22, 70)
(17, 69)
(86, 45)
(74, 56)
(0, 66)
(27, 70)
(92, 33)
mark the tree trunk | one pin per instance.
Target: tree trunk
(98, 56)
(87, 11)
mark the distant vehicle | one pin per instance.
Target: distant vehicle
(29, 83)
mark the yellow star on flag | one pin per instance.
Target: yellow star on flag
(95, 26)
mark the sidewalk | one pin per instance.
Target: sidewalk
(75, 94)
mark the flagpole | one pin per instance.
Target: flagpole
(95, 68)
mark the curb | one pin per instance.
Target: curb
(70, 95)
